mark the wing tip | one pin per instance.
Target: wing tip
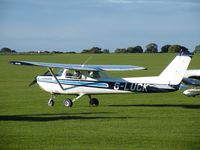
(15, 62)
(21, 63)
(140, 68)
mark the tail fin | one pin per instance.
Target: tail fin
(174, 72)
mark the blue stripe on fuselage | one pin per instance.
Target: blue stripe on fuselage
(78, 83)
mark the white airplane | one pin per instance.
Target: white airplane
(80, 80)
(192, 77)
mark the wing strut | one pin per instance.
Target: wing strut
(52, 73)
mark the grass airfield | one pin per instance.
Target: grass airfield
(166, 121)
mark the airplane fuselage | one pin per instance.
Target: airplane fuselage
(101, 86)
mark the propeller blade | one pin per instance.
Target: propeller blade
(33, 82)
(46, 72)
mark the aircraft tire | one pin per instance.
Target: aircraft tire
(94, 102)
(51, 103)
(68, 102)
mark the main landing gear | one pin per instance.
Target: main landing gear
(69, 103)
(93, 101)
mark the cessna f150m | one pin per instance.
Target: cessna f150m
(89, 80)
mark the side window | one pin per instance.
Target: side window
(77, 75)
(73, 74)
(69, 74)
(94, 74)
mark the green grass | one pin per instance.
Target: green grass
(131, 121)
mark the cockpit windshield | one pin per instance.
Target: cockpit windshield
(60, 72)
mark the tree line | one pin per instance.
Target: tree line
(149, 48)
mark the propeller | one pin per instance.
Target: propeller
(35, 80)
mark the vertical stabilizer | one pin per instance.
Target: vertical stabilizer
(174, 72)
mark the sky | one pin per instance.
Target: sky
(74, 25)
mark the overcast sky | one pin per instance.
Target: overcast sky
(78, 24)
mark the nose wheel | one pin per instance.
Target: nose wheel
(51, 102)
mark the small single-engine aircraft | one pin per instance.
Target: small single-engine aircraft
(80, 80)
(192, 77)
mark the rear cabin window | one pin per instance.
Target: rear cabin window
(94, 74)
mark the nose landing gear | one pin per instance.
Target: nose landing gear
(51, 101)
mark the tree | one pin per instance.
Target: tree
(70, 52)
(92, 50)
(136, 49)
(165, 48)
(130, 50)
(151, 48)
(106, 51)
(177, 49)
(47, 52)
(7, 50)
(197, 49)
(120, 50)
(95, 50)
(13, 51)
(174, 49)
(85, 51)
(55, 52)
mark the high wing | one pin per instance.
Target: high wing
(80, 67)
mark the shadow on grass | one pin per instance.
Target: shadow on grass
(54, 117)
(186, 106)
